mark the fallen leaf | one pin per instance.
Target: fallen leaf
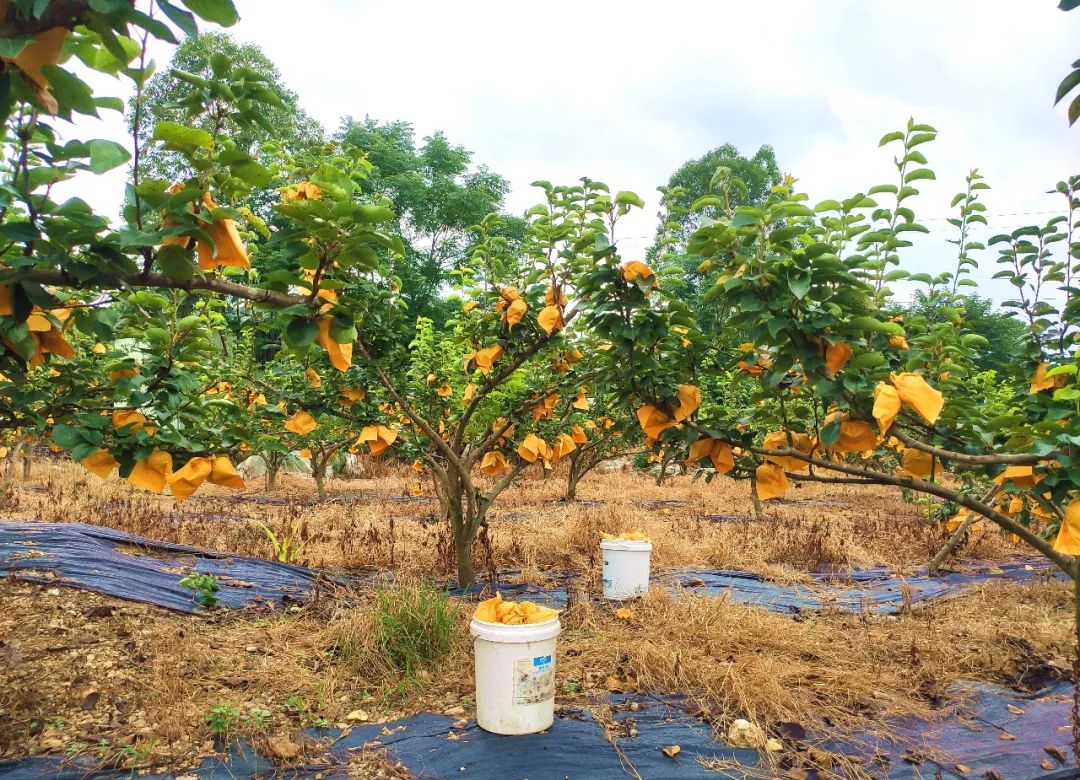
(963, 769)
(358, 715)
(671, 751)
(1014, 709)
(1057, 753)
(1047, 764)
(625, 613)
(283, 748)
(1006, 736)
(99, 612)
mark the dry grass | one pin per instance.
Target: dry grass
(376, 523)
(93, 668)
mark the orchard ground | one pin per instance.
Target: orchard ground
(134, 685)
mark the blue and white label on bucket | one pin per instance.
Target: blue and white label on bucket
(534, 680)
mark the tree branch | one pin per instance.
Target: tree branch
(974, 460)
(500, 376)
(159, 281)
(424, 425)
(1063, 562)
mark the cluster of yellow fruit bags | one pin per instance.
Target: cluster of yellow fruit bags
(628, 536)
(513, 613)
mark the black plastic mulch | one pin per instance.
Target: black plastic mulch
(879, 589)
(139, 569)
(576, 747)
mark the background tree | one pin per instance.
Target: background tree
(1005, 335)
(280, 127)
(438, 195)
(748, 181)
(694, 180)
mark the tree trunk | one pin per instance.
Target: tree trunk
(953, 543)
(754, 498)
(26, 464)
(463, 553)
(320, 482)
(958, 534)
(7, 471)
(461, 527)
(271, 474)
(572, 480)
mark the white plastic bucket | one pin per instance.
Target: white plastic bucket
(626, 568)
(515, 675)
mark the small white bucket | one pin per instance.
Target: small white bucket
(626, 568)
(515, 675)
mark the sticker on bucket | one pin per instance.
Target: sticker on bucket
(534, 680)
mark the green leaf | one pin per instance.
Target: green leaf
(830, 432)
(888, 138)
(799, 283)
(301, 332)
(876, 326)
(329, 177)
(371, 213)
(1067, 370)
(181, 18)
(106, 155)
(175, 262)
(866, 360)
(10, 47)
(21, 232)
(221, 12)
(110, 6)
(1068, 85)
(69, 90)
(67, 437)
(252, 173)
(180, 138)
(920, 138)
(918, 173)
(627, 198)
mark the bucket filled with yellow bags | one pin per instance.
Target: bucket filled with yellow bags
(514, 652)
(627, 560)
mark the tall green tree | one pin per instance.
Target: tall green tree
(179, 94)
(439, 194)
(693, 180)
(748, 181)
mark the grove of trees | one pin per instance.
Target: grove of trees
(272, 287)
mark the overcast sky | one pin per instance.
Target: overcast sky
(626, 92)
